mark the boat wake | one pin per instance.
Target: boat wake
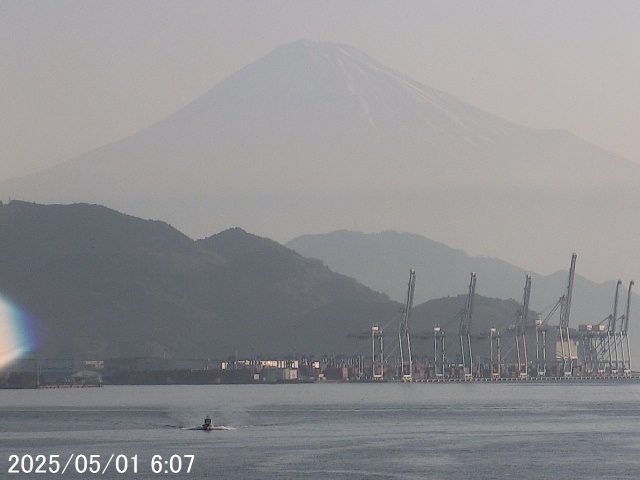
(213, 427)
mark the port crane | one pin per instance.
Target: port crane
(404, 338)
(542, 327)
(595, 349)
(465, 330)
(520, 338)
(438, 335)
(605, 345)
(619, 333)
(378, 354)
(566, 356)
(625, 331)
(614, 362)
(495, 354)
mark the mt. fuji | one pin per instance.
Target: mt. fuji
(317, 116)
(316, 137)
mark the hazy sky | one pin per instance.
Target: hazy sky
(78, 74)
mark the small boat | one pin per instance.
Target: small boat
(207, 425)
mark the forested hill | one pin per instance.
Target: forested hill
(98, 283)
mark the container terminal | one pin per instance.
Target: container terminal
(526, 350)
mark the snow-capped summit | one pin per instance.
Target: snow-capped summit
(314, 116)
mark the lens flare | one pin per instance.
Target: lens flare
(16, 333)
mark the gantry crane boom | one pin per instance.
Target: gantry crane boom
(614, 317)
(564, 320)
(404, 339)
(470, 302)
(626, 315)
(563, 328)
(521, 343)
(525, 302)
(465, 330)
(626, 329)
(613, 332)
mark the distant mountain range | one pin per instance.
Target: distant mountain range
(381, 261)
(315, 137)
(99, 284)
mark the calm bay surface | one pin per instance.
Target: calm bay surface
(327, 431)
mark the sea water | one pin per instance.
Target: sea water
(325, 431)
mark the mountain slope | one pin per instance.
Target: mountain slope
(312, 116)
(100, 283)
